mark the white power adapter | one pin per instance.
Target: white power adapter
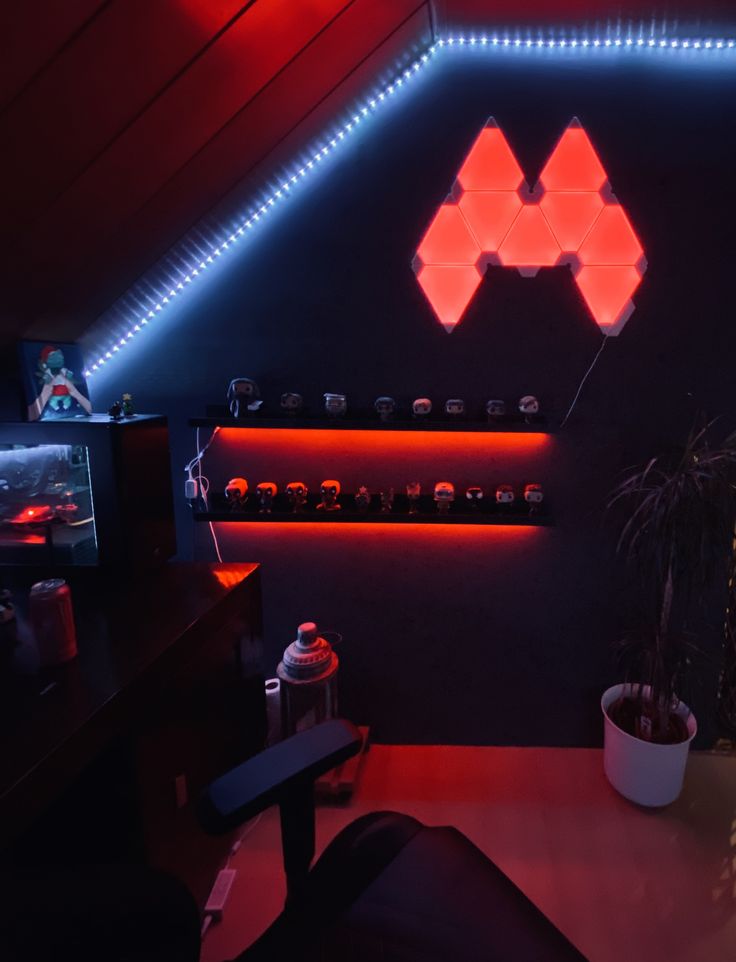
(191, 489)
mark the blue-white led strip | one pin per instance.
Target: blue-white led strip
(640, 39)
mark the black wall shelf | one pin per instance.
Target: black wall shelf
(507, 426)
(342, 517)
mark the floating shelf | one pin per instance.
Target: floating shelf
(373, 517)
(507, 426)
(427, 514)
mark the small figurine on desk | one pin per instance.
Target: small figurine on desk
(387, 501)
(421, 407)
(335, 405)
(296, 492)
(505, 495)
(243, 397)
(474, 494)
(128, 411)
(266, 492)
(363, 499)
(533, 495)
(116, 411)
(330, 491)
(444, 495)
(292, 403)
(413, 493)
(455, 407)
(236, 492)
(385, 408)
(529, 406)
(495, 410)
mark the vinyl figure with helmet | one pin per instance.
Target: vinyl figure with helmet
(529, 406)
(266, 491)
(330, 491)
(444, 495)
(236, 492)
(421, 407)
(243, 397)
(385, 408)
(533, 495)
(296, 493)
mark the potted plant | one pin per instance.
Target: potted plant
(678, 534)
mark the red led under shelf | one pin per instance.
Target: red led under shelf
(514, 519)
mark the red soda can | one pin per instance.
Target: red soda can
(53, 621)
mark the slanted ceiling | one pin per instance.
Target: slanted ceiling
(124, 122)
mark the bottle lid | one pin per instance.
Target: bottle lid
(309, 656)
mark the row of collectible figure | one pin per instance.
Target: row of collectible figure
(244, 399)
(504, 495)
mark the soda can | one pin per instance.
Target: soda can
(53, 621)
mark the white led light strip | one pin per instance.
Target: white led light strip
(630, 42)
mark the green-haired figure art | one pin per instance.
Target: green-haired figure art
(58, 395)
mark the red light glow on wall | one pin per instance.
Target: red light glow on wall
(375, 458)
(573, 219)
(322, 535)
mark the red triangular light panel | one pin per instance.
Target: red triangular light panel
(449, 289)
(574, 218)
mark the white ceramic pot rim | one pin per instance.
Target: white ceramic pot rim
(682, 710)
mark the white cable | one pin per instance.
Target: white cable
(203, 483)
(585, 378)
(241, 838)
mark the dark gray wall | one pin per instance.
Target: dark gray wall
(474, 636)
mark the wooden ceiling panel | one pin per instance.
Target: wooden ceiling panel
(226, 76)
(128, 120)
(33, 34)
(340, 65)
(98, 85)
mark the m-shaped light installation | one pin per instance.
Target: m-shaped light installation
(572, 218)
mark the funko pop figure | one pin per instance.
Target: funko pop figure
(363, 499)
(243, 397)
(455, 407)
(413, 493)
(266, 492)
(385, 408)
(292, 403)
(236, 492)
(474, 494)
(444, 495)
(335, 405)
(505, 494)
(533, 495)
(296, 492)
(528, 405)
(387, 500)
(495, 410)
(330, 491)
(421, 407)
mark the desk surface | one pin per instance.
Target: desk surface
(130, 632)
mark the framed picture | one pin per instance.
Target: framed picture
(53, 382)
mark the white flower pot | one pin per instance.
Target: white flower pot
(643, 772)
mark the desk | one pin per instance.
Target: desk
(152, 649)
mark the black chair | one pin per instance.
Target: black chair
(387, 887)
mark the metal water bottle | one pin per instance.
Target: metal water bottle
(308, 676)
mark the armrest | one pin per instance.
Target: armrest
(276, 774)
